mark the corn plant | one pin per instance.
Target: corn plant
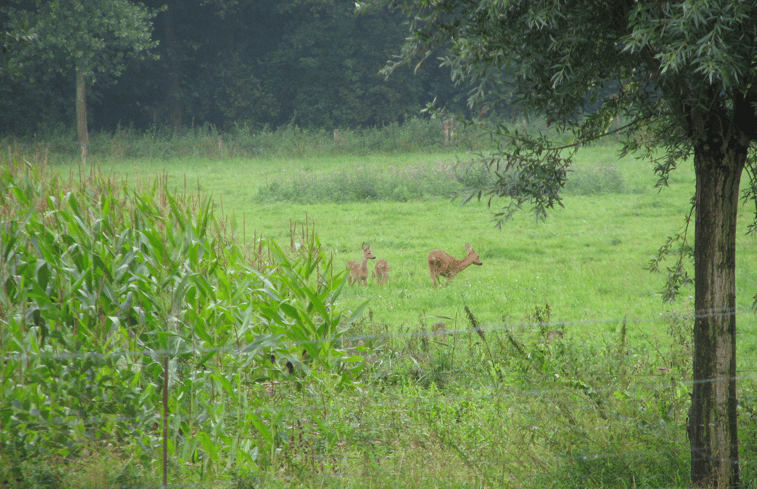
(100, 284)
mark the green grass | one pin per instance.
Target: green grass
(440, 407)
(587, 260)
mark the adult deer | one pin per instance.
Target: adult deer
(442, 264)
(359, 274)
(381, 272)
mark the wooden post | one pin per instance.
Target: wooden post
(165, 421)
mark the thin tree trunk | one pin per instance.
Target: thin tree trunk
(174, 82)
(81, 113)
(712, 416)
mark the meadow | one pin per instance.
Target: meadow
(463, 385)
(589, 260)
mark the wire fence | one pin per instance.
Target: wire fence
(409, 410)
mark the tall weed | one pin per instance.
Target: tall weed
(531, 404)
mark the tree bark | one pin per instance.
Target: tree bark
(81, 111)
(174, 82)
(712, 417)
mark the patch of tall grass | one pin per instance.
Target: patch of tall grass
(421, 180)
(367, 184)
(414, 135)
(291, 140)
(595, 180)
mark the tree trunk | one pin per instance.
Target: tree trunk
(712, 416)
(174, 81)
(81, 112)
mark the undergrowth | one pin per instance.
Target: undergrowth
(291, 140)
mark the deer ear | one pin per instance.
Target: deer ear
(364, 245)
(468, 247)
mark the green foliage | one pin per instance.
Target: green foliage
(256, 64)
(674, 71)
(748, 427)
(528, 404)
(94, 37)
(241, 141)
(448, 396)
(100, 284)
(8, 39)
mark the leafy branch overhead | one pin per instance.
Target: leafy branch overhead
(95, 37)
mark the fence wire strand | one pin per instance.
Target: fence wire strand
(663, 380)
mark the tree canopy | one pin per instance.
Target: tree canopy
(94, 37)
(677, 81)
(83, 40)
(18, 35)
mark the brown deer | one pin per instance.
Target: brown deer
(354, 267)
(443, 264)
(359, 273)
(381, 272)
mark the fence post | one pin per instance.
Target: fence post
(165, 421)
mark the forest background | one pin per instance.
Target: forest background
(240, 64)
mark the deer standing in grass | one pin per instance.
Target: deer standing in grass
(359, 273)
(442, 264)
(354, 267)
(381, 272)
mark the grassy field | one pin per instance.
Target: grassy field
(604, 406)
(587, 260)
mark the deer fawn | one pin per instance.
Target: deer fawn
(443, 264)
(354, 267)
(381, 272)
(359, 272)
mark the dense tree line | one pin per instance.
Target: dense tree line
(226, 62)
